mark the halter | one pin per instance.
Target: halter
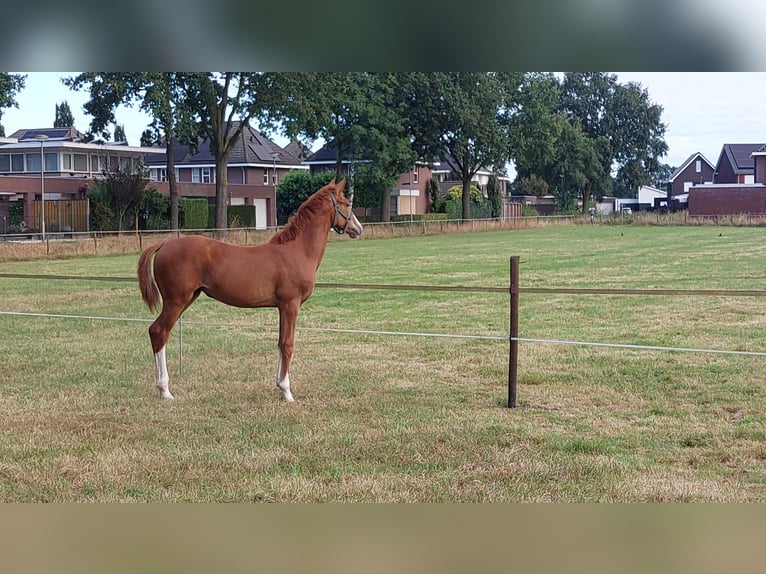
(335, 228)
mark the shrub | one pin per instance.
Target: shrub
(453, 204)
(192, 213)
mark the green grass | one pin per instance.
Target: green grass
(391, 418)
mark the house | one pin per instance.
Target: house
(736, 164)
(739, 184)
(57, 161)
(255, 166)
(694, 171)
(409, 194)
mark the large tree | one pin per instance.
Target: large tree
(10, 86)
(223, 104)
(466, 115)
(624, 118)
(360, 114)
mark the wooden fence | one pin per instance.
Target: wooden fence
(62, 215)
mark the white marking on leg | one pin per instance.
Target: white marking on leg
(284, 384)
(163, 379)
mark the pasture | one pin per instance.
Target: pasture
(387, 418)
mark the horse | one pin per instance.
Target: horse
(280, 273)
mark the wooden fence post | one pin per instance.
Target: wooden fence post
(513, 355)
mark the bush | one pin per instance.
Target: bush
(16, 213)
(453, 204)
(192, 213)
(241, 216)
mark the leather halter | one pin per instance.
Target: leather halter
(347, 217)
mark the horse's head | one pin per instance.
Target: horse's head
(344, 220)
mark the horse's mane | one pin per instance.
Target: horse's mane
(306, 212)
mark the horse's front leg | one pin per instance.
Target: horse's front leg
(288, 315)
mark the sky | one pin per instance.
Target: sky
(702, 110)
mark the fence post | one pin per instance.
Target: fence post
(513, 354)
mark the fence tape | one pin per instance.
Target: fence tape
(412, 334)
(642, 347)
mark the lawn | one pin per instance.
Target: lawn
(394, 418)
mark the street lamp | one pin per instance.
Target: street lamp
(41, 138)
(274, 157)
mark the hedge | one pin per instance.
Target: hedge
(192, 213)
(236, 216)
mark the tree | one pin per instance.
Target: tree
(159, 94)
(64, 117)
(493, 195)
(119, 133)
(361, 114)
(434, 193)
(535, 126)
(295, 188)
(117, 197)
(223, 104)
(580, 160)
(10, 86)
(532, 185)
(626, 125)
(462, 117)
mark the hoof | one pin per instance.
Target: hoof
(166, 395)
(287, 395)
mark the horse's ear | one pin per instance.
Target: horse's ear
(339, 187)
(332, 182)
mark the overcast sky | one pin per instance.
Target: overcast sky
(703, 110)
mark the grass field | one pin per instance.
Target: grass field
(401, 418)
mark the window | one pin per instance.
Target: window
(206, 175)
(51, 161)
(17, 162)
(5, 162)
(415, 175)
(66, 161)
(266, 177)
(158, 174)
(699, 166)
(195, 175)
(97, 163)
(80, 162)
(125, 163)
(33, 162)
(274, 179)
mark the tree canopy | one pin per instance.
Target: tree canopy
(10, 86)
(64, 117)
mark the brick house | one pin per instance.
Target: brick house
(409, 194)
(736, 164)
(255, 167)
(739, 184)
(695, 170)
(57, 160)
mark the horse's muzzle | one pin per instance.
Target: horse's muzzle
(354, 228)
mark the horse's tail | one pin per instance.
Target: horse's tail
(150, 293)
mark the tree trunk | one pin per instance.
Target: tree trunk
(385, 205)
(585, 197)
(221, 195)
(466, 197)
(171, 175)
